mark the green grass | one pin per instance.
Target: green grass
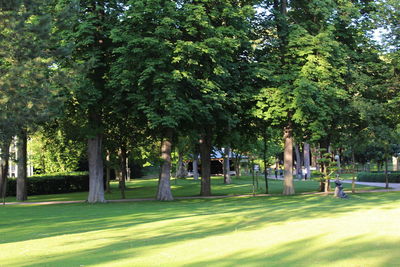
(304, 230)
(146, 188)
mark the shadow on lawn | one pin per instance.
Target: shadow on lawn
(208, 218)
(31, 222)
(313, 252)
(357, 250)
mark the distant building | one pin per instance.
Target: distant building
(12, 164)
(217, 163)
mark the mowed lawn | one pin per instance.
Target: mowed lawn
(303, 230)
(147, 188)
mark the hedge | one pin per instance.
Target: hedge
(398, 172)
(52, 184)
(394, 177)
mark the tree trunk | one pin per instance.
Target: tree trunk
(122, 167)
(327, 183)
(196, 166)
(181, 171)
(252, 174)
(164, 183)
(237, 165)
(386, 171)
(282, 30)
(395, 161)
(118, 175)
(227, 166)
(128, 170)
(314, 158)
(108, 172)
(307, 160)
(280, 7)
(96, 175)
(353, 178)
(4, 159)
(283, 7)
(22, 159)
(265, 160)
(205, 151)
(298, 162)
(288, 187)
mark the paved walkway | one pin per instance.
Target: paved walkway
(392, 187)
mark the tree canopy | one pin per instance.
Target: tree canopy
(121, 74)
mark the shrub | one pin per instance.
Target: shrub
(52, 184)
(394, 177)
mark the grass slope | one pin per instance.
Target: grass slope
(147, 188)
(307, 230)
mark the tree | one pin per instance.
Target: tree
(213, 45)
(86, 32)
(304, 87)
(4, 164)
(147, 33)
(28, 76)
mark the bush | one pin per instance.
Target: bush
(52, 184)
(379, 177)
(381, 172)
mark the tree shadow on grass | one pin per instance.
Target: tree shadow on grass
(354, 251)
(313, 251)
(31, 222)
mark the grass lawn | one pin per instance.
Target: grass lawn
(147, 188)
(303, 230)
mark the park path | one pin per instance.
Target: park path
(392, 187)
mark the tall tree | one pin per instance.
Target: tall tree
(213, 45)
(304, 88)
(28, 74)
(4, 165)
(147, 34)
(88, 34)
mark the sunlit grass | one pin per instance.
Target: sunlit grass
(310, 230)
(146, 188)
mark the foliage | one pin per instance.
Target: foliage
(387, 16)
(29, 76)
(373, 152)
(230, 72)
(328, 165)
(304, 85)
(52, 151)
(148, 84)
(145, 188)
(378, 177)
(52, 184)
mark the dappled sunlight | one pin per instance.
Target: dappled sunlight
(147, 188)
(294, 231)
